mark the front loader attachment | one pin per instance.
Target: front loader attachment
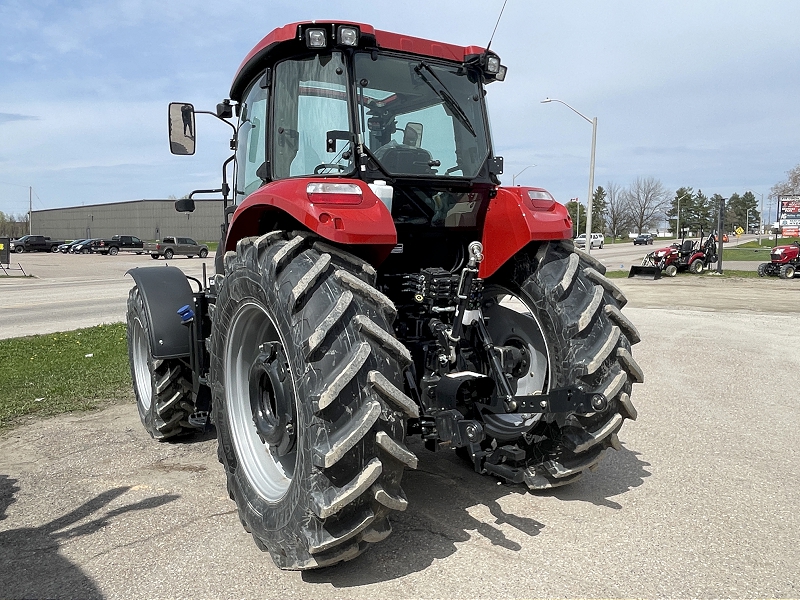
(645, 271)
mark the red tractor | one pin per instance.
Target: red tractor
(375, 281)
(784, 262)
(688, 255)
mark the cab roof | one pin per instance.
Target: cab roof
(382, 39)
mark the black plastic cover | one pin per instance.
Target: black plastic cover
(164, 290)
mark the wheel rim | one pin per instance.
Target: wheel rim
(167, 254)
(789, 272)
(250, 394)
(510, 322)
(141, 368)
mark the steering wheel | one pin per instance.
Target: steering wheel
(325, 166)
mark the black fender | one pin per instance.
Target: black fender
(164, 290)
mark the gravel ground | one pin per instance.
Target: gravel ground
(701, 501)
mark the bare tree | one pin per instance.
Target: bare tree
(647, 199)
(789, 187)
(617, 213)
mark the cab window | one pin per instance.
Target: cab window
(251, 142)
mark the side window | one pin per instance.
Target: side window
(251, 144)
(135, 240)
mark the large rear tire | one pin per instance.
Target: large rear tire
(697, 266)
(306, 382)
(163, 388)
(557, 305)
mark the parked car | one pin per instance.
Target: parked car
(171, 246)
(82, 247)
(643, 239)
(34, 243)
(117, 244)
(598, 239)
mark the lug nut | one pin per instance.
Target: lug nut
(599, 402)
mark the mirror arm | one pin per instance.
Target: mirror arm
(213, 114)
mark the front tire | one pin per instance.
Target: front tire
(568, 319)
(762, 269)
(163, 388)
(671, 271)
(306, 381)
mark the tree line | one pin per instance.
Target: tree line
(646, 203)
(13, 226)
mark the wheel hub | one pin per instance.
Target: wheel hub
(269, 399)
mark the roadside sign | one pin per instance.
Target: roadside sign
(5, 250)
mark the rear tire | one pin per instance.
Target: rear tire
(787, 272)
(154, 256)
(302, 344)
(203, 253)
(163, 388)
(168, 254)
(113, 251)
(576, 335)
(696, 267)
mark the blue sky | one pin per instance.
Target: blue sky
(703, 94)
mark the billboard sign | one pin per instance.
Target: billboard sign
(789, 216)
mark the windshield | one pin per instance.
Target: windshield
(420, 118)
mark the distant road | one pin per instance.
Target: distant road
(71, 291)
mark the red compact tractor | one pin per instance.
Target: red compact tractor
(784, 262)
(375, 282)
(688, 255)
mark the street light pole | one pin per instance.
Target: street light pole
(514, 177)
(590, 197)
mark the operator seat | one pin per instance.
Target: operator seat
(400, 158)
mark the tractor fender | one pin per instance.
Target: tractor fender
(696, 256)
(164, 290)
(338, 218)
(516, 217)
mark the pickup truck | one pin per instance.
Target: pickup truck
(34, 243)
(170, 246)
(117, 244)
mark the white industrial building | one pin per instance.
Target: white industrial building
(146, 219)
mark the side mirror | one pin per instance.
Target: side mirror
(184, 205)
(412, 135)
(181, 129)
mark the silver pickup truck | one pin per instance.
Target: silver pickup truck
(171, 246)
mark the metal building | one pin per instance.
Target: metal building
(146, 219)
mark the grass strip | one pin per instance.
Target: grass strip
(62, 372)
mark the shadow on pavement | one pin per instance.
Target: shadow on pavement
(442, 492)
(31, 564)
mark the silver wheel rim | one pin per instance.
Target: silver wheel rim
(512, 323)
(268, 474)
(141, 368)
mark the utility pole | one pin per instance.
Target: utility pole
(30, 209)
(720, 234)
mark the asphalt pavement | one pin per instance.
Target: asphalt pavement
(701, 501)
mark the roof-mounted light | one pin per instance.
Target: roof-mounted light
(501, 74)
(347, 36)
(316, 38)
(348, 194)
(493, 65)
